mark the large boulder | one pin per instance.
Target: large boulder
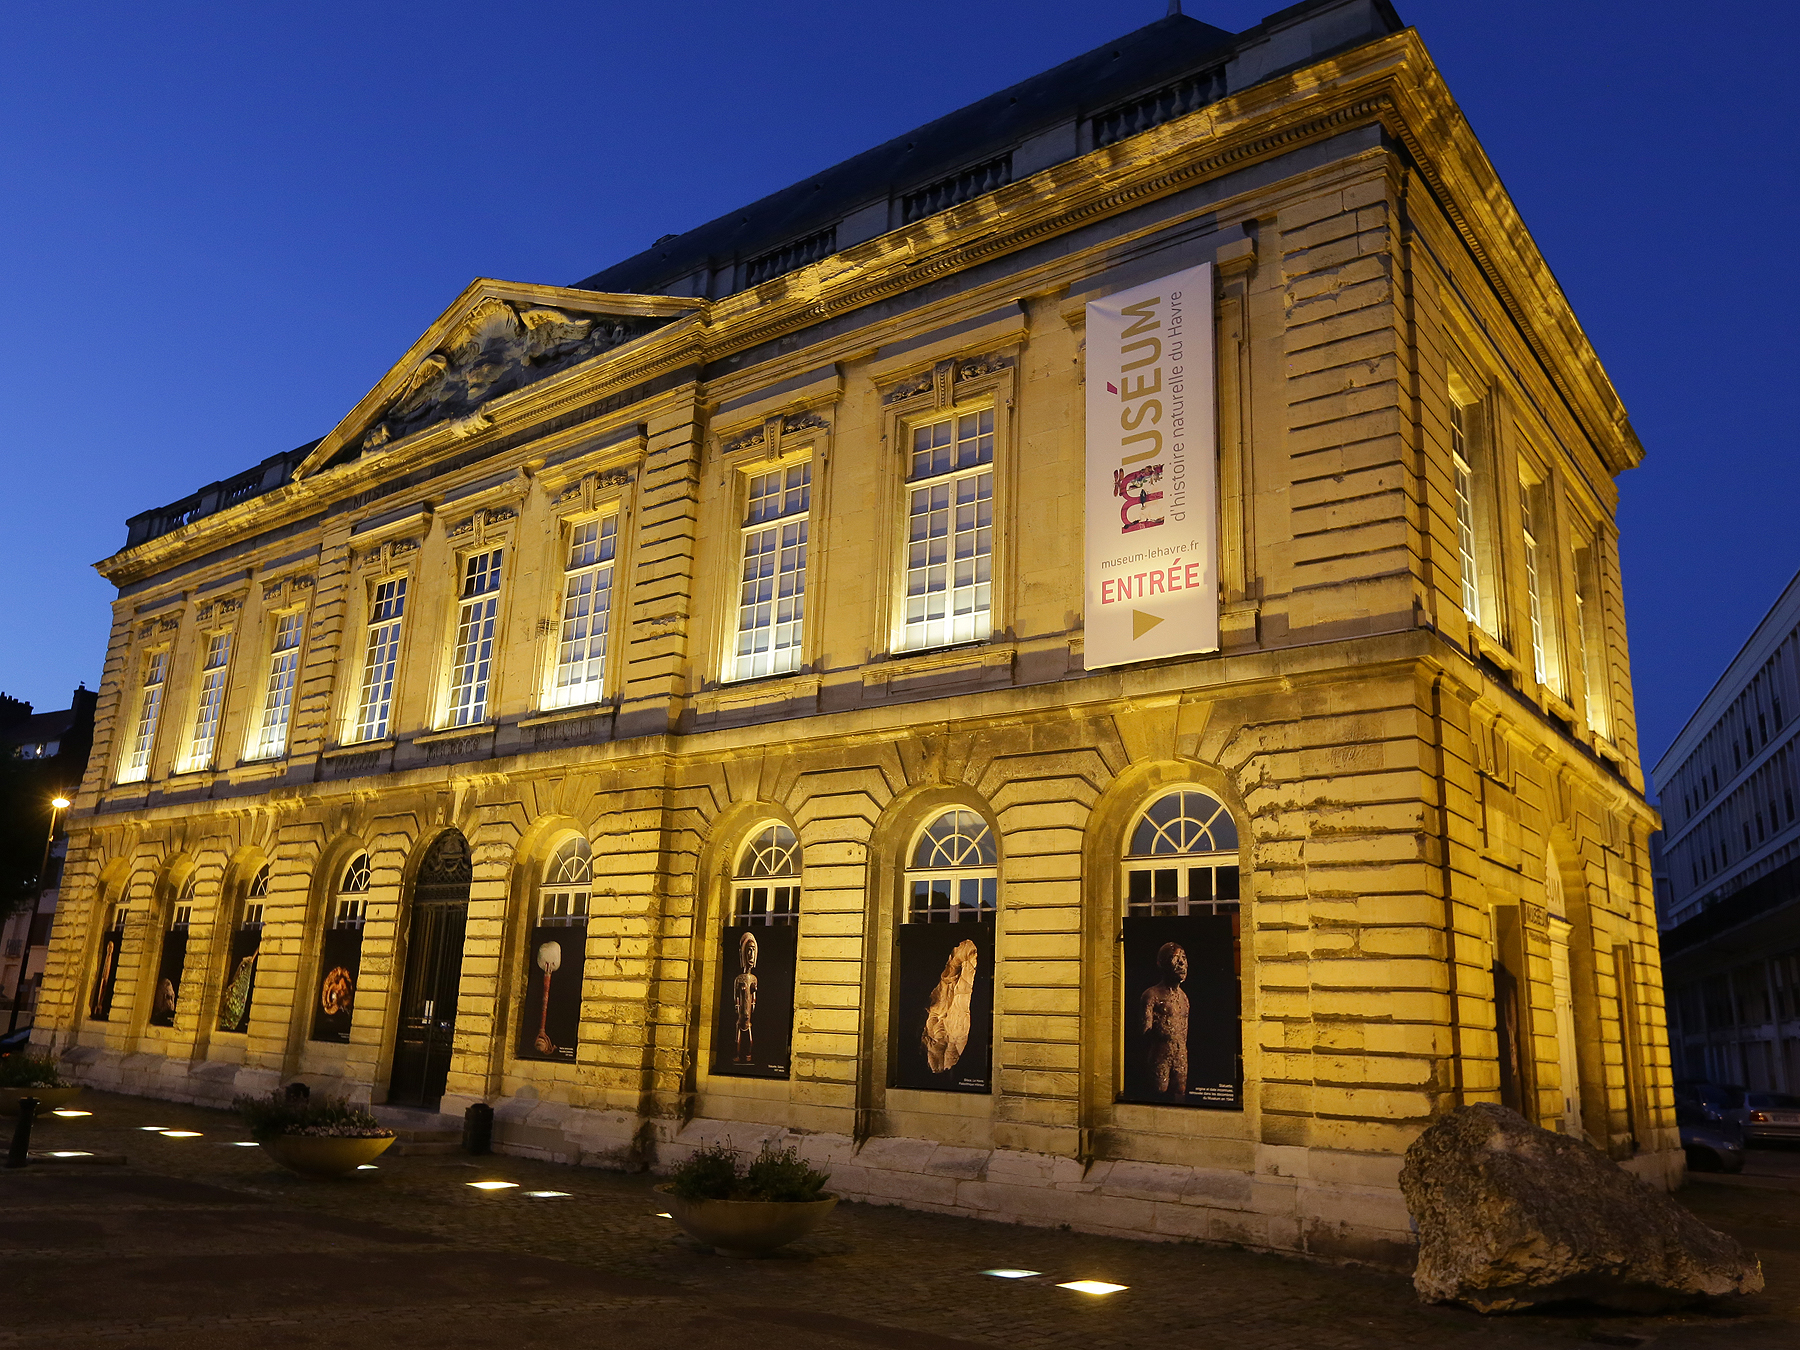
(1510, 1216)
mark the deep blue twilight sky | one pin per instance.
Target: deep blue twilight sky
(219, 225)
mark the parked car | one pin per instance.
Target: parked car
(1710, 1147)
(1774, 1117)
(1722, 1104)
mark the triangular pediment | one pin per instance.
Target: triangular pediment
(498, 337)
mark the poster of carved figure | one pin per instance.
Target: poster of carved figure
(106, 971)
(165, 999)
(550, 1019)
(334, 1001)
(753, 1030)
(240, 979)
(1182, 1040)
(944, 997)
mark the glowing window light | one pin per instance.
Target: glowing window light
(1092, 1286)
(68, 1114)
(1009, 1274)
(495, 1185)
(179, 1134)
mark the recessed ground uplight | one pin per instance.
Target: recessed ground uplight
(367, 1167)
(1092, 1287)
(71, 1153)
(179, 1134)
(548, 1195)
(153, 1129)
(68, 1114)
(1013, 1274)
(243, 1143)
(663, 1215)
(495, 1185)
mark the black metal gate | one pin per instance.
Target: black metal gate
(434, 946)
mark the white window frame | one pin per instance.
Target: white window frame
(372, 718)
(350, 908)
(1198, 839)
(959, 866)
(584, 635)
(566, 892)
(774, 541)
(209, 702)
(474, 641)
(1467, 545)
(135, 766)
(766, 882)
(917, 561)
(278, 694)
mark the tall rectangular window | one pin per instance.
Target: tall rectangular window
(950, 531)
(137, 756)
(381, 655)
(278, 698)
(212, 702)
(1592, 634)
(1460, 451)
(772, 589)
(472, 662)
(587, 605)
(1544, 659)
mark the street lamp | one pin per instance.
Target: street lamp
(57, 806)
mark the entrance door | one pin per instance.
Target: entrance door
(434, 946)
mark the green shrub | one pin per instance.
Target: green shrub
(712, 1173)
(22, 1070)
(330, 1117)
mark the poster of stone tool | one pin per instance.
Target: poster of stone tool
(240, 979)
(334, 1001)
(550, 1016)
(944, 994)
(754, 1030)
(1152, 568)
(1183, 1043)
(165, 998)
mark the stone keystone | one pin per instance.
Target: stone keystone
(1510, 1216)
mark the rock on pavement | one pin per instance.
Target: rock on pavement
(1510, 1216)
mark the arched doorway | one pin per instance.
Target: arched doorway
(434, 947)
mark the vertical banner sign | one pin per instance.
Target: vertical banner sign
(240, 978)
(1152, 473)
(340, 967)
(550, 1021)
(166, 999)
(754, 1029)
(945, 1001)
(1183, 1038)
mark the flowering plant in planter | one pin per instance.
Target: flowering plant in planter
(29, 1071)
(327, 1118)
(747, 1211)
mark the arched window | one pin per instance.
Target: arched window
(758, 950)
(165, 998)
(340, 956)
(944, 966)
(1183, 858)
(1181, 955)
(352, 895)
(112, 942)
(767, 888)
(556, 955)
(246, 946)
(568, 882)
(953, 877)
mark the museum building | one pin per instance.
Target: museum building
(1072, 666)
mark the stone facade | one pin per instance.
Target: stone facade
(1440, 819)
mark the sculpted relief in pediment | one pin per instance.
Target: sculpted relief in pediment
(498, 348)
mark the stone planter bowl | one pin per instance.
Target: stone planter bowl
(747, 1227)
(324, 1156)
(49, 1098)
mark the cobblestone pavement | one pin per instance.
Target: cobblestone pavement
(197, 1243)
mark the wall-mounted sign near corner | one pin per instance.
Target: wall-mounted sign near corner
(1152, 473)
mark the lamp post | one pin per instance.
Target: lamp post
(57, 806)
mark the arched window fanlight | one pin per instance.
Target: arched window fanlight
(254, 898)
(184, 903)
(767, 887)
(567, 886)
(1183, 857)
(954, 875)
(353, 894)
